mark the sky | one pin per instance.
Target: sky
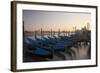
(55, 20)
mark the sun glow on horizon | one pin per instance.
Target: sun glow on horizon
(50, 20)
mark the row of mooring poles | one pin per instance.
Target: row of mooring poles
(50, 33)
(42, 33)
(35, 34)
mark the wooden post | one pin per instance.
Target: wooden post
(51, 32)
(58, 32)
(35, 34)
(41, 33)
(66, 33)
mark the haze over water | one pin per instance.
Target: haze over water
(47, 20)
